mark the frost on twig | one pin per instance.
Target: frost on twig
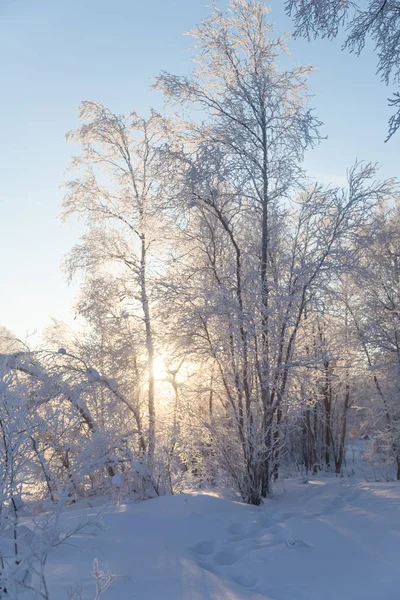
(103, 580)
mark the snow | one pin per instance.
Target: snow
(93, 375)
(330, 539)
(112, 384)
(118, 480)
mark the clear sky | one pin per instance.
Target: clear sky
(56, 53)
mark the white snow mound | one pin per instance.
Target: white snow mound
(329, 540)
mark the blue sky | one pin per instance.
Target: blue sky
(56, 53)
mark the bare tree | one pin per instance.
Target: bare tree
(375, 20)
(375, 309)
(118, 195)
(257, 256)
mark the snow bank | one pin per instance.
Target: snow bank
(326, 540)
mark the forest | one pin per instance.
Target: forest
(239, 321)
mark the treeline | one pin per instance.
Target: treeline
(240, 319)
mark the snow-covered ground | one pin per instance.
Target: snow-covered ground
(330, 539)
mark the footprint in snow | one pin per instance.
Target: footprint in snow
(239, 532)
(245, 579)
(226, 557)
(236, 529)
(265, 521)
(203, 548)
(207, 567)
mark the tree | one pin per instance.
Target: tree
(118, 195)
(375, 309)
(8, 341)
(330, 387)
(376, 20)
(258, 247)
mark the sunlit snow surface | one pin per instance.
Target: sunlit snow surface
(330, 539)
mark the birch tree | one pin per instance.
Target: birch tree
(117, 193)
(373, 20)
(375, 308)
(260, 251)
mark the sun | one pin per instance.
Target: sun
(159, 367)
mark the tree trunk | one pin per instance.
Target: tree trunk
(327, 407)
(276, 447)
(311, 443)
(149, 347)
(342, 440)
